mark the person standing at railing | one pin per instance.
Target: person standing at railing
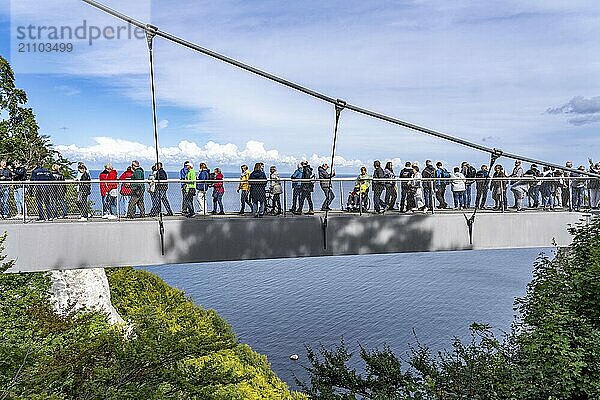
(258, 190)
(547, 188)
(391, 191)
(275, 190)
(153, 192)
(407, 192)
(481, 184)
(19, 174)
(59, 193)
(378, 186)
(296, 188)
(498, 187)
(417, 188)
(559, 184)
(218, 191)
(469, 172)
(534, 186)
(182, 174)
(42, 193)
(442, 176)
(566, 188)
(244, 189)
(108, 191)
(4, 189)
(162, 186)
(306, 188)
(125, 187)
(458, 185)
(84, 188)
(428, 173)
(594, 185)
(137, 191)
(578, 188)
(324, 177)
(202, 186)
(518, 186)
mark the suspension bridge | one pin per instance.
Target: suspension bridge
(62, 245)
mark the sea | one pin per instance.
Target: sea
(281, 306)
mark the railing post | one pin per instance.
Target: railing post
(118, 202)
(432, 196)
(284, 199)
(360, 201)
(570, 194)
(23, 202)
(341, 196)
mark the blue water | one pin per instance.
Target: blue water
(278, 306)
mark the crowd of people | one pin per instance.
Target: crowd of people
(417, 189)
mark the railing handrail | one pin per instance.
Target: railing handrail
(346, 179)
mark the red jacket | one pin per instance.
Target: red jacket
(125, 188)
(218, 186)
(107, 176)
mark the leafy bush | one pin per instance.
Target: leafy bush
(170, 348)
(551, 352)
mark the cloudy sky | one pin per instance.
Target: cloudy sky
(521, 76)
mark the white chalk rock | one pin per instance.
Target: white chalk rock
(83, 288)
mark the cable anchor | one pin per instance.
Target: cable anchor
(150, 34)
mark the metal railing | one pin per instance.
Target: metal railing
(27, 201)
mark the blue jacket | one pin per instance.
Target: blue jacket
(41, 174)
(182, 174)
(258, 189)
(202, 176)
(297, 175)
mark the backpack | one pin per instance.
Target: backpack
(445, 174)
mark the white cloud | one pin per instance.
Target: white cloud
(226, 155)
(163, 124)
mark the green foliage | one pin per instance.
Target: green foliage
(552, 351)
(19, 132)
(169, 348)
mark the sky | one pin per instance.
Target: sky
(520, 76)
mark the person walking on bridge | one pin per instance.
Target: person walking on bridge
(275, 189)
(42, 192)
(391, 190)
(407, 192)
(244, 188)
(440, 184)
(306, 188)
(203, 175)
(258, 190)
(84, 188)
(498, 186)
(218, 191)
(137, 191)
(428, 185)
(108, 191)
(324, 177)
(190, 190)
(378, 186)
(518, 185)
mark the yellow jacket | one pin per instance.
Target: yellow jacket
(244, 184)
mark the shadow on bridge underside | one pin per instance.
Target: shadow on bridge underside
(234, 239)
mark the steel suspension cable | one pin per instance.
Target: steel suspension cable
(323, 97)
(150, 33)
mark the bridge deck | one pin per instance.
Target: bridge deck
(63, 245)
